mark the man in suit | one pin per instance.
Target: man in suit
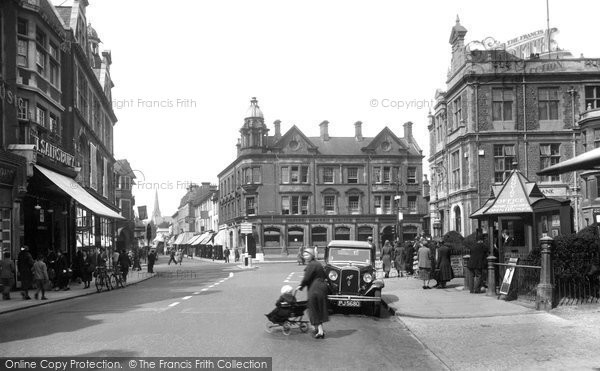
(507, 240)
(476, 264)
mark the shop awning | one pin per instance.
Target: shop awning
(184, 238)
(159, 238)
(199, 240)
(178, 239)
(193, 240)
(73, 189)
(171, 240)
(220, 239)
(589, 160)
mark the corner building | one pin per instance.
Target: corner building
(500, 109)
(300, 191)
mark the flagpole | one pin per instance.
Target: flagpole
(548, 25)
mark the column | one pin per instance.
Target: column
(543, 300)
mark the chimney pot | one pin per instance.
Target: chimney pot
(277, 125)
(358, 131)
(324, 130)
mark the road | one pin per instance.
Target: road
(203, 309)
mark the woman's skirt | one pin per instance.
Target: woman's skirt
(424, 273)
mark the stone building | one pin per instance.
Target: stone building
(61, 126)
(502, 109)
(299, 191)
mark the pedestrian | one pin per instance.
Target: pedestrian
(40, 276)
(7, 275)
(172, 257)
(226, 254)
(87, 269)
(433, 250)
(179, 256)
(51, 264)
(136, 261)
(301, 256)
(386, 258)
(62, 272)
(424, 259)
(25, 263)
(399, 258)
(314, 279)
(410, 251)
(77, 266)
(237, 254)
(476, 264)
(115, 258)
(370, 242)
(444, 267)
(151, 260)
(124, 264)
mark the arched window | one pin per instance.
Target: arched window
(457, 219)
(342, 233)
(319, 236)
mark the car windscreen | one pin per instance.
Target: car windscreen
(345, 254)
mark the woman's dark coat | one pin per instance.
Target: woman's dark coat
(25, 263)
(314, 279)
(443, 264)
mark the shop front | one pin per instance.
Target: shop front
(12, 187)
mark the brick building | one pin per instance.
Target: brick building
(299, 191)
(501, 108)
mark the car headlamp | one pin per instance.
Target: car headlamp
(333, 275)
(367, 277)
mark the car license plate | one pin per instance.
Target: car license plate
(349, 303)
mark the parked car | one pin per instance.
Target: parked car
(350, 269)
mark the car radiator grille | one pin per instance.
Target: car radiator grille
(350, 280)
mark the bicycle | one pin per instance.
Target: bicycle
(102, 279)
(116, 278)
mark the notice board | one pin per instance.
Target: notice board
(456, 262)
(508, 275)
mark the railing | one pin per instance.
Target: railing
(576, 290)
(524, 282)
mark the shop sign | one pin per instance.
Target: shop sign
(7, 175)
(508, 275)
(533, 42)
(50, 150)
(554, 192)
(8, 96)
(246, 228)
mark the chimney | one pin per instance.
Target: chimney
(408, 131)
(324, 130)
(358, 131)
(277, 125)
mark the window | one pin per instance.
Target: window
(592, 97)
(294, 205)
(54, 126)
(93, 168)
(125, 206)
(105, 176)
(82, 94)
(584, 140)
(285, 205)
(377, 174)
(387, 204)
(294, 174)
(22, 52)
(502, 104)
(412, 204)
(596, 138)
(250, 206)
(22, 28)
(329, 204)
(456, 113)
(256, 175)
(40, 116)
(304, 174)
(40, 60)
(504, 156)
(328, 175)
(377, 204)
(285, 174)
(23, 113)
(40, 37)
(354, 204)
(247, 175)
(352, 175)
(53, 73)
(549, 155)
(548, 103)
(411, 175)
(387, 175)
(455, 162)
(53, 49)
(304, 205)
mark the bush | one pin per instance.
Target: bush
(455, 241)
(572, 253)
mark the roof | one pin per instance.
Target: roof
(122, 167)
(589, 160)
(254, 109)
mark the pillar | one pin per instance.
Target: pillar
(544, 289)
(491, 278)
(467, 273)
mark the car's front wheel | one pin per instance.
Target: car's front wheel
(376, 305)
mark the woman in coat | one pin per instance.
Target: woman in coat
(87, 269)
(445, 273)
(386, 258)
(25, 263)
(399, 259)
(314, 279)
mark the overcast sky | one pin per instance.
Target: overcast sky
(305, 61)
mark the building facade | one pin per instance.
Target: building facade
(67, 199)
(500, 110)
(125, 200)
(205, 206)
(299, 191)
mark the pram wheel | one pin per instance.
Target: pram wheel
(287, 328)
(303, 326)
(269, 326)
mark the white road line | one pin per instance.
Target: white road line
(173, 304)
(197, 292)
(204, 290)
(186, 297)
(230, 274)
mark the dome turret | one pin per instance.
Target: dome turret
(254, 110)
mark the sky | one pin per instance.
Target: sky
(185, 71)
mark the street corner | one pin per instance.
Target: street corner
(390, 302)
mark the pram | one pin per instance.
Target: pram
(294, 320)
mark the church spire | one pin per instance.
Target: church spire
(156, 212)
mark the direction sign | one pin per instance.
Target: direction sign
(246, 228)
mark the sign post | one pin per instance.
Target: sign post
(246, 229)
(508, 276)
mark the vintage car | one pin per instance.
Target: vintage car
(350, 270)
